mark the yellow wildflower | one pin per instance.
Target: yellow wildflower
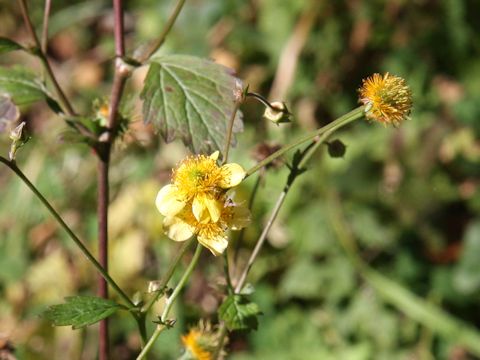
(212, 235)
(199, 182)
(387, 98)
(200, 343)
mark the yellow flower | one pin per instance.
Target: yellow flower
(387, 98)
(199, 182)
(200, 343)
(212, 235)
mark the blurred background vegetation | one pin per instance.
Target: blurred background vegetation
(409, 197)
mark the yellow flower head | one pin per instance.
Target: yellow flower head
(195, 203)
(387, 98)
(212, 235)
(199, 182)
(200, 343)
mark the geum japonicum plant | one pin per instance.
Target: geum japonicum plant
(196, 101)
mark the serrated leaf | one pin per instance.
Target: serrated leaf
(192, 99)
(81, 311)
(239, 313)
(7, 45)
(21, 85)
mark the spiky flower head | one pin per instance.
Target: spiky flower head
(387, 98)
(200, 342)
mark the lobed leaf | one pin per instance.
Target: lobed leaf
(192, 99)
(239, 313)
(81, 311)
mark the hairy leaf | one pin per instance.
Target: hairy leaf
(7, 45)
(21, 85)
(192, 99)
(239, 313)
(81, 311)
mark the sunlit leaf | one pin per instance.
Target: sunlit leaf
(81, 311)
(192, 99)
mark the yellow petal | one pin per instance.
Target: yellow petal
(216, 244)
(176, 229)
(240, 219)
(199, 210)
(233, 175)
(206, 209)
(168, 202)
(214, 155)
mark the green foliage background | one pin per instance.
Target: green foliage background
(409, 197)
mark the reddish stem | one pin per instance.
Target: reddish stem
(102, 210)
(103, 153)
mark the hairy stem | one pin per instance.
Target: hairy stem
(228, 139)
(102, 216)
(168, 275)
(46, 16)
(144, 56)
(43, 57)
(103, 154)
(169, 303)
(319, 138)
(70, 233)
(334, 125)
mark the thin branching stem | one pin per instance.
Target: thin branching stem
(46, 16)
(70, 233)
(334, 125)
(43, 57)
(168, 275)
(169, 303)
(318, 138)
(150, 50)
(103, 164)
(228, 139)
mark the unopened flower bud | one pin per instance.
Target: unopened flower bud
(19, 138)
(277, 113)
(16, 134)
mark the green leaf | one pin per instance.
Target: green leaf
(81, 311)
(466, 275)
(239, 313)
(192, 99)
(425, 312)
(21, 85)
(7, 45)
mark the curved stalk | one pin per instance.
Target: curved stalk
(322, 134)
(161, 39)
(169, 303)
(70, 233)
(43, 57)
(334, 125)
